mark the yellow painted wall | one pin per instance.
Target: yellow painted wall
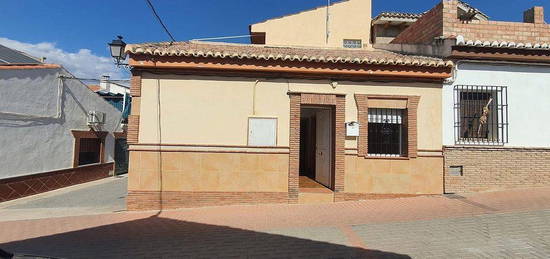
(348, 20)
(208, 172)
(209, 110)
(215, 110)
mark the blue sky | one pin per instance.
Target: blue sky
(78, 30)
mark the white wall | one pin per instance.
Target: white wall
(30, 145)
(528, 100)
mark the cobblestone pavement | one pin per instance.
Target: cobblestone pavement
(514, 235)
(511, 224)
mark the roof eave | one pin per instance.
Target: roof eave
(329, 70)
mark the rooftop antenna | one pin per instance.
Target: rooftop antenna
(328, 21)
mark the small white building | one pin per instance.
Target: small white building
(55, 132)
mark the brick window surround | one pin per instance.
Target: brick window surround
(296, 101)
(79, 134)
(411, 107)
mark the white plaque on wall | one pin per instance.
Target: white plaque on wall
(262, 132)
(352, 129)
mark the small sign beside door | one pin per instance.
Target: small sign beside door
(352, 129)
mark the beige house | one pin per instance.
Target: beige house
(217, 124)
(307, 113)
(319, 27)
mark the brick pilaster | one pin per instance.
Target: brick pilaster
(135, 84)
(133, 129)
(412, 125)
(294, 156)
(339, 164)
(362, 118)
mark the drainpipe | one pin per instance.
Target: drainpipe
(254, 97)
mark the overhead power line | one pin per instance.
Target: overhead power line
(228, 37)
(160, 20)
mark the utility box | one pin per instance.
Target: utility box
(352, 129)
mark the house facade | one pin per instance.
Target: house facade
(47, 142)
(217, 124)
(492, 135)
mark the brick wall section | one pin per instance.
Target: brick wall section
(412, 125)
(534, 15)
(318, 99)
(149, 200)
(429, 26)
(294, 144)
(492, 30)
(340, 144)
(19, 187)
(443, 20)
(362, 117)
(133, 129)
(135, 85)
(496, 168)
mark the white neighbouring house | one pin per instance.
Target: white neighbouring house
(512, 149)
(49, 138)
(496, 133)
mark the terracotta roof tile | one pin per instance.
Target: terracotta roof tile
(94, 88)
(399, 15)
(461, 41)
(264, 52)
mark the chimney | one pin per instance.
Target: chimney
(534, 15)
(105, 84)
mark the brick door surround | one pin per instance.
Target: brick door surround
(338, 101)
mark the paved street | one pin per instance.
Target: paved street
(99, 197)
(511, 224)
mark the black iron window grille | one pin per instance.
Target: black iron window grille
(387, 134)
(480, 115)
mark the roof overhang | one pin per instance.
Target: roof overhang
(501, 54)
(286, 69)
(394, 21)
(28, 66)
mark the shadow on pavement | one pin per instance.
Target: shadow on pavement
(169, 238)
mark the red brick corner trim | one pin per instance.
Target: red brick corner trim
(135, 84)
(19, 187)
(412, 127)
(296, 101)
(133, 129)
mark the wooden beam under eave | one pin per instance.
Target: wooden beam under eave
(325, 69)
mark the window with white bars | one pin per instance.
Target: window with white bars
(481, 115)
(387, 132)
(353, 44)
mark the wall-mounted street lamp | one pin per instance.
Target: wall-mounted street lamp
(117, 51)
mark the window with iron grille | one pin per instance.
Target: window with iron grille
(481, 115)
(89, 151)
(387, 134)
(353, 44)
